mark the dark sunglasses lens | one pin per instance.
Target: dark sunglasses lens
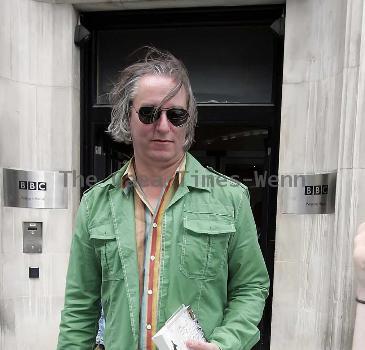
(146, 114)
(177, 116)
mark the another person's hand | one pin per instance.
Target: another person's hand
(359, 260)
(199, 345)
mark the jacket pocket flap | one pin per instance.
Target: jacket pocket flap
(210, 224)
(102, 232)
(211, 209)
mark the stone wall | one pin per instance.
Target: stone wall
(322, 130)
(39, 130)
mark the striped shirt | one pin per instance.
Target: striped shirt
(149, 223)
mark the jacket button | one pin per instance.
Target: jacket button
(154, 225)
(148, 326)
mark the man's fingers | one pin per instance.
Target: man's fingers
(198, 345)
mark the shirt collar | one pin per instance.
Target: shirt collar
(129, 178)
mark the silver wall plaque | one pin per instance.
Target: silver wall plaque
(34, 189)
(310, 194)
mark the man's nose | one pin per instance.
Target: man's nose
(162, 123)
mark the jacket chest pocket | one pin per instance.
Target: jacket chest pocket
(106, 248)
(204, 243)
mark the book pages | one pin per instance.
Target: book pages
(179, 328)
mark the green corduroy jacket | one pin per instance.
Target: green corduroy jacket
(210, 260)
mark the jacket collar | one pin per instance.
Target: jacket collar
(196, 176)
(114, 180)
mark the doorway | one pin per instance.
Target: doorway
(234, 59)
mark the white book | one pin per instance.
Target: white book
(179, 328)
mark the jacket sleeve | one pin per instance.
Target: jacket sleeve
(79, 318)
(247, 288)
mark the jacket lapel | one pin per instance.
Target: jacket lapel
(194, 177)
(122, 209)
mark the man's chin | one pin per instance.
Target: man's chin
(164, 156)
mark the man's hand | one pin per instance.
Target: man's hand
(199, 345)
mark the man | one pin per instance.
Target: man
(359, 260)
(155, 235)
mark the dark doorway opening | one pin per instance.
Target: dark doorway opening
(235, 63)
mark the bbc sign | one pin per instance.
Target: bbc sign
(315, 190)
(32, 185)
(316, 195)
(34, 189)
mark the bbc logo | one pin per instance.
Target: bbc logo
(32, 186)
(315, 190)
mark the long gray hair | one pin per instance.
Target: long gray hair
(155, 62)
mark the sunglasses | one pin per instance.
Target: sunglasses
(149, 114)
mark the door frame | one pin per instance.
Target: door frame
(263, 115)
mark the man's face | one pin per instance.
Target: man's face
(160, 142)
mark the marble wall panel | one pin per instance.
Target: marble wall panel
(348, 129)
(22, 39)
(17, 124)
(288, 235)
(8, 240)
(74, 191)
(359, 151)
(325, 128)
(283, 321)
(330, 109)
(311, 113)
(75, 125)
(5, 39)
(341, 306)
(310, 53)
(298, 322)
(54, 128)
(319, 285)
(41, 43)
(40, 130)
(359, 194)
(349, 206)
(57, 270)
(15, 275)
(15, 284)
(294, 123)
(353, 31)
(75, 63)
(12, 229)
(34, 335)
(62, 72)
(288, 274)
(8, 332)
(300, 329)
(58, 231)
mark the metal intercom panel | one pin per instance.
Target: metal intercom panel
(32, 237)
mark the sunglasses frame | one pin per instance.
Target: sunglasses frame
(157, 114)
